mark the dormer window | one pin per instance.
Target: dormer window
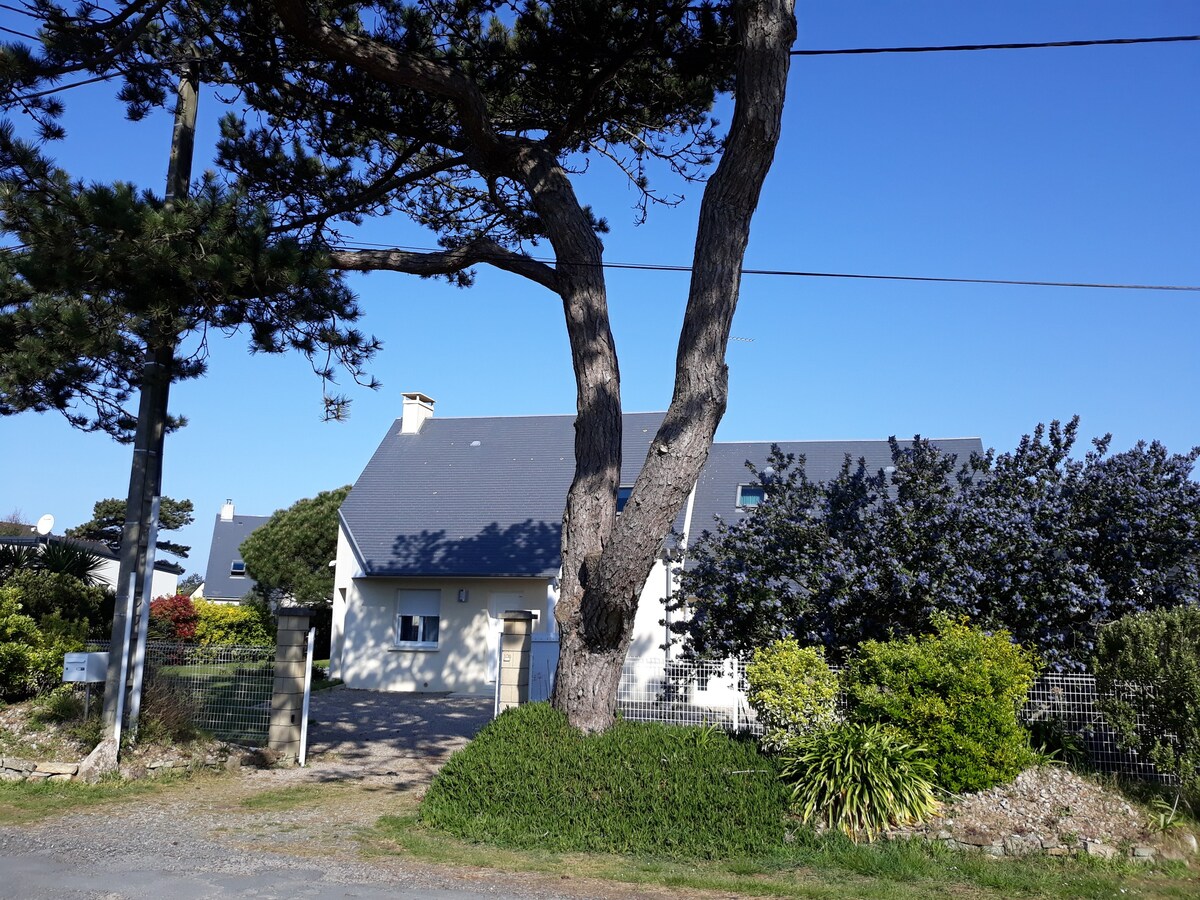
(623, 493)
(750, 495)
(237, 569)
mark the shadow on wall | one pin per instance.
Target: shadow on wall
(523, 548)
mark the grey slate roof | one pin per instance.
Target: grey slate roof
(485, 496)
(227, 538)
(474, 496)
(716, 489)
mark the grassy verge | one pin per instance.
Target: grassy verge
(23, 802)
(824, 867)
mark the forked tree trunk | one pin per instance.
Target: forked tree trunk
(607, 559)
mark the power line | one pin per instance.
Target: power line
(32, 37)
(792, 273)
(1040, 45)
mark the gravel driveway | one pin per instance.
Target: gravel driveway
(370, 754)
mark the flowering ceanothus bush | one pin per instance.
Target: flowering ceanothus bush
(1033, 541)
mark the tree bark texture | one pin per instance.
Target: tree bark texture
(600, 593)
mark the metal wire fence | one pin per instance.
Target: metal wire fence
(222, 691)
(702, 692)
(1064, 710)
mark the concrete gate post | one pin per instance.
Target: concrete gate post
(287, 696)
(515, 649)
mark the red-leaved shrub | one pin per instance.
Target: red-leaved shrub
(173, 618)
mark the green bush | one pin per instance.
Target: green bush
(529, 779)
(31, 660)
(1150, 663)
(45, 594)
(859, 779)
(793, 691)
(226, 625)
(956, 692)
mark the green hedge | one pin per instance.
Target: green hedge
(529, 779)
(957, 693)
(226, 625)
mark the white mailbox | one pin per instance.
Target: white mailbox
(89, 668)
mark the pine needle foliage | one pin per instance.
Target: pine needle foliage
(860, 779)
(102, 272)
(529, 780)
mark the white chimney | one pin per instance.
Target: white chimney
(417, 408)
(227, 511)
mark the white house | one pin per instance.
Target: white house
(455, 520)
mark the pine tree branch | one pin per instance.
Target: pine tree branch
(387, 184)
(447, 262)
(399, 69)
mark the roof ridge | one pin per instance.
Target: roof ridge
(969, 437)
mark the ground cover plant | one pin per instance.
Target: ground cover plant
(530, 780)
(809, 866)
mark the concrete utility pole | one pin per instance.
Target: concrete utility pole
(132, 615)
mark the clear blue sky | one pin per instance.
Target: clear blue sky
(1066, 164)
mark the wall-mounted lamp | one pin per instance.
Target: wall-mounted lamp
(463, 593)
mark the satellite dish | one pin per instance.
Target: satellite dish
(45, 523)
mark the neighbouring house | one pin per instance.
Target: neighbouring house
(166, 574)
(457, 520)
(226, 579)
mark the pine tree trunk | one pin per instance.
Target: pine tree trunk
(607, 559)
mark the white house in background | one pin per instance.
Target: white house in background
(226, 579)
(166, 574)
(455, 520)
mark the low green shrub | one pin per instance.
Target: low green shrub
(227, 625)
(793, 691)
(43, 594)
(1149, 663)
(530, 780)
(957, 693)
(859, 779)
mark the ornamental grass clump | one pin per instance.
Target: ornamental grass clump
(792, 690)
(859, 779)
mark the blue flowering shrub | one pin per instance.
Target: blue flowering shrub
(1036, 541)
(955, 692)
(1150, 663)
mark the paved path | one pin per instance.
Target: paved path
(370, 754)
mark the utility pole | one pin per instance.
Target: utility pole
(132, 614)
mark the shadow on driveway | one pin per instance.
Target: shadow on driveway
(403, 738)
